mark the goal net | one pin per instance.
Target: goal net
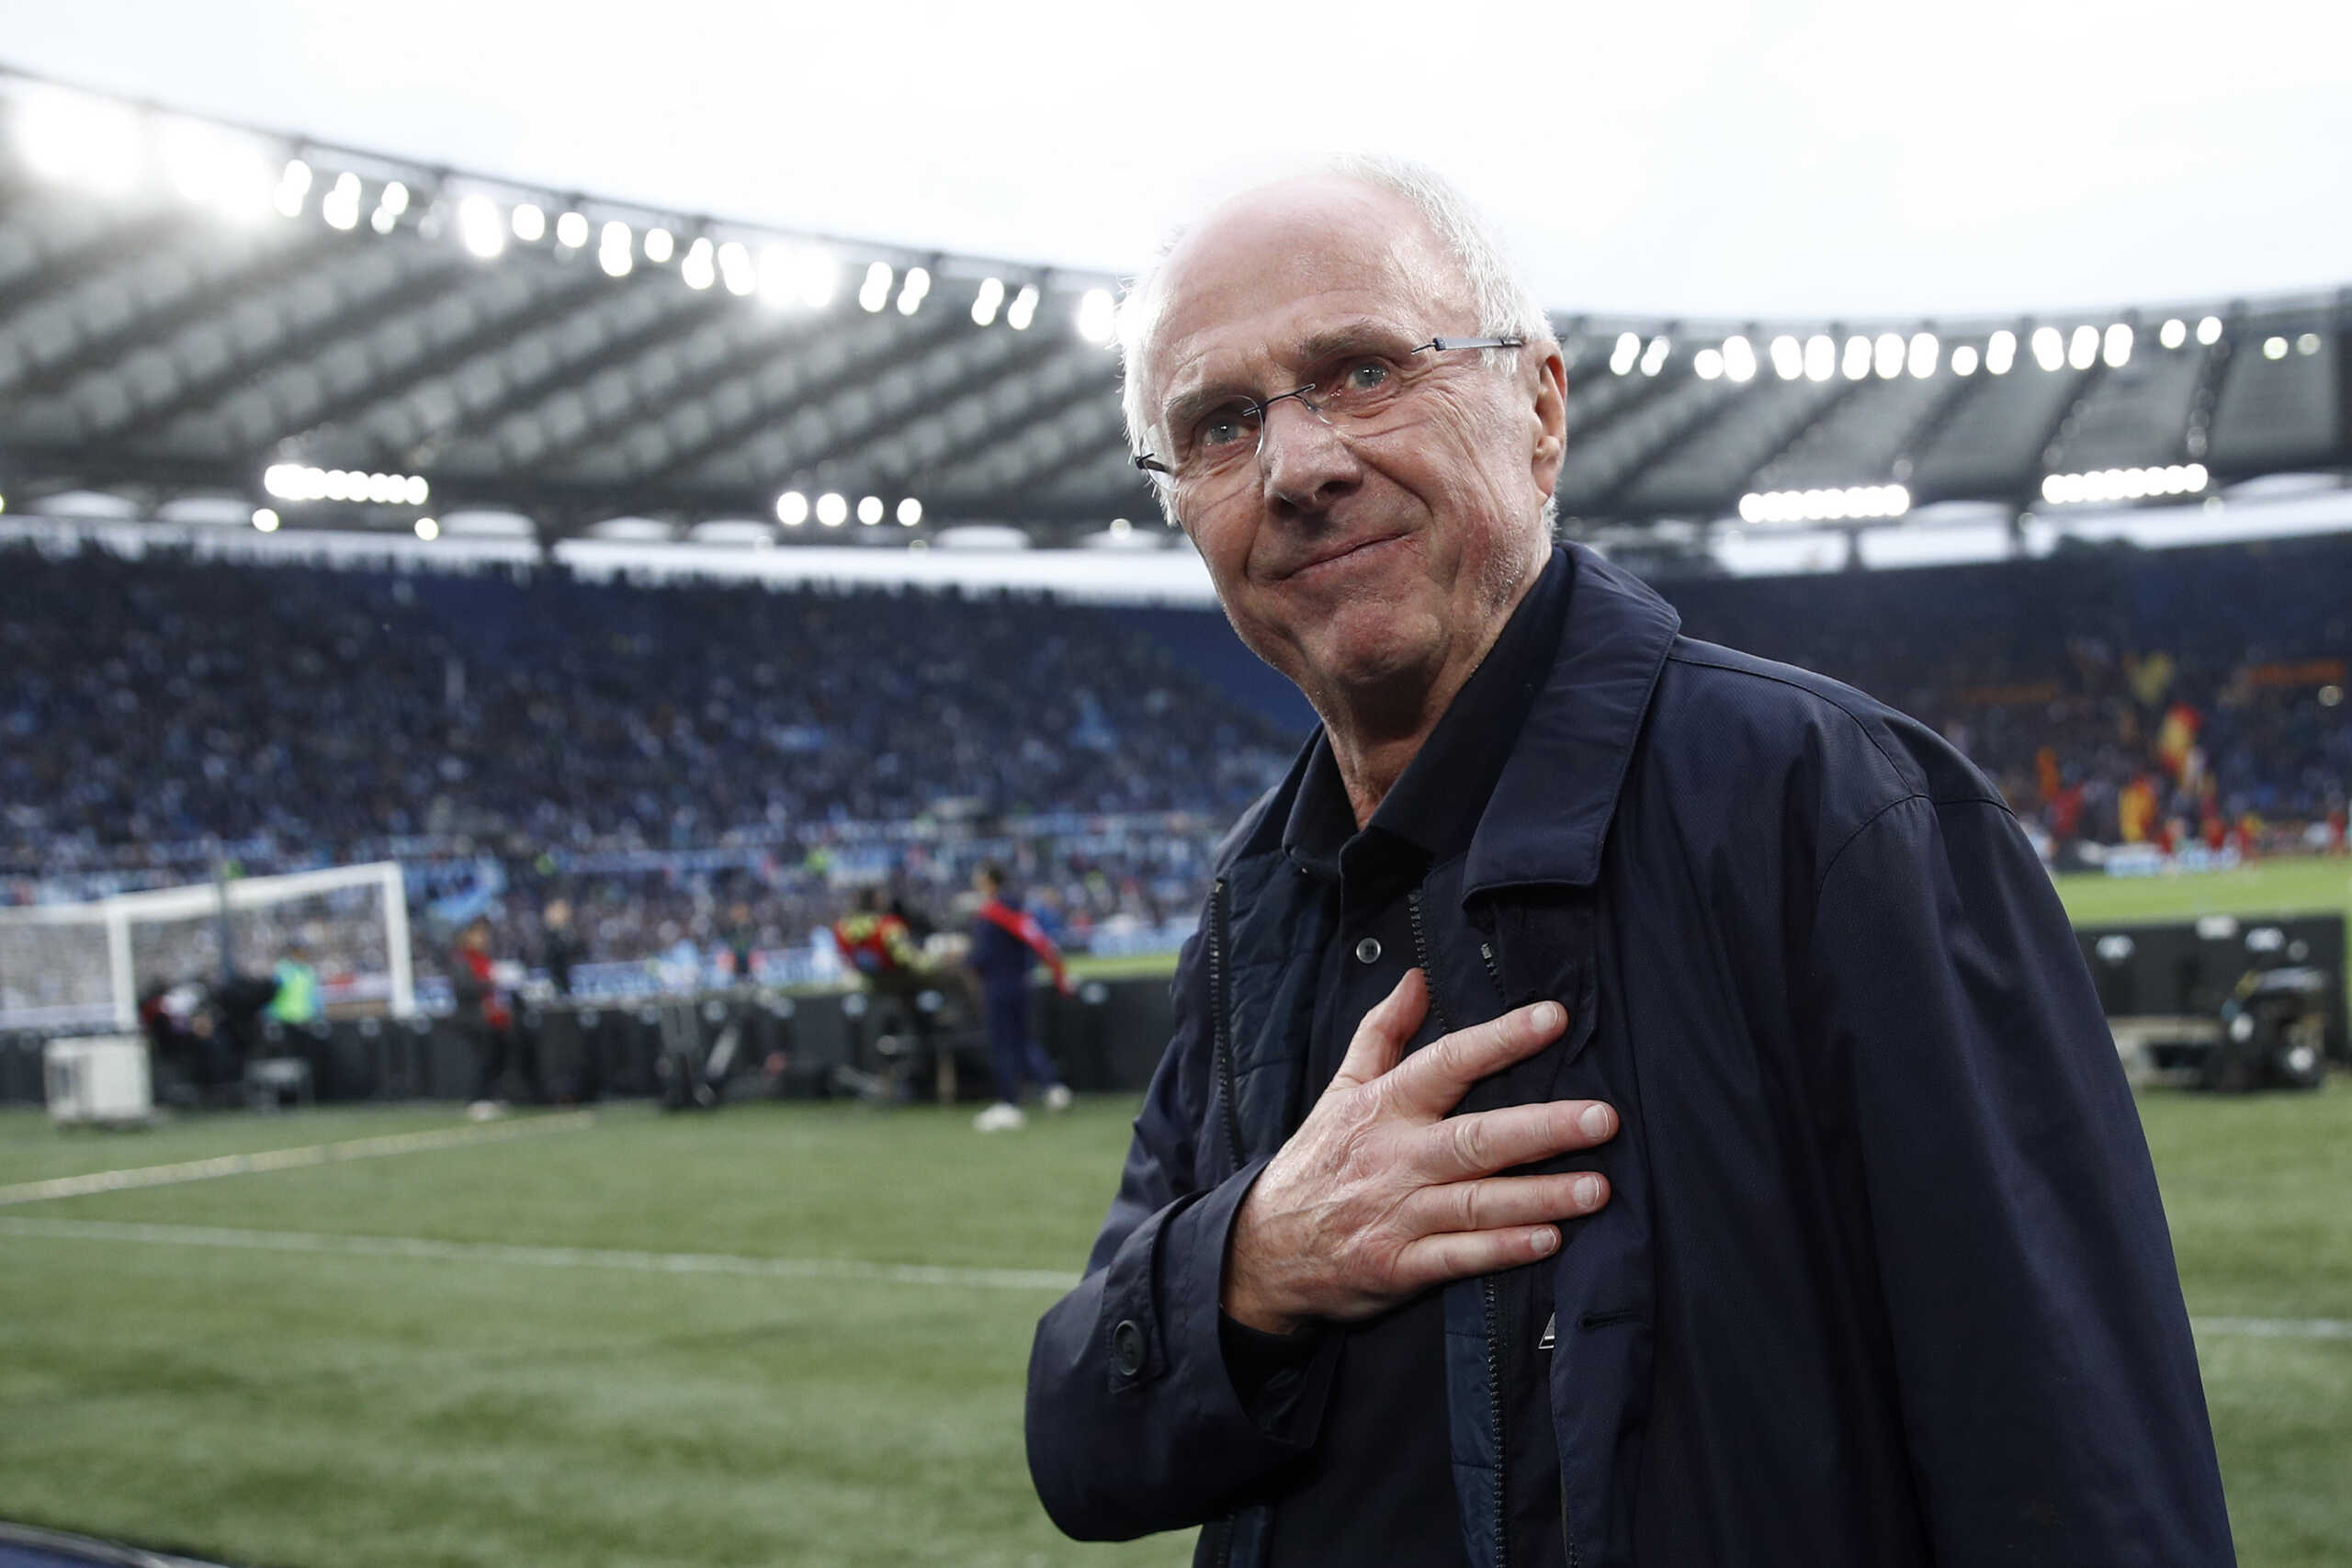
(74, 966)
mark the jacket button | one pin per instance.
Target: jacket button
(1368, 950)
(1127, 1348)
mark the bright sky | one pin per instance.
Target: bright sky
(1713, 158)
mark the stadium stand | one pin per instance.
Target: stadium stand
(352, 340)
(664, 752)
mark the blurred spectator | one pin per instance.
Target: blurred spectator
(1007, 945)
(488, 1022)
(297, 1000)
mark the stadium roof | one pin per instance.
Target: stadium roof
(191, 310)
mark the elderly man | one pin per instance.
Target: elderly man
(1632, 1103)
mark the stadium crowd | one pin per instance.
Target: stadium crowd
(711, 764)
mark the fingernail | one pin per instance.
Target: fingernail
(1547, 1016)
(1587, 1191)
(1595, 1121)
(1545, 1240)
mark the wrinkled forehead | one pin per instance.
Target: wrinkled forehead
(1266, 273)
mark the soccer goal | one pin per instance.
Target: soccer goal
(71, 966)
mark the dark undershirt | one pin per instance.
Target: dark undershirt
(1378, 1486)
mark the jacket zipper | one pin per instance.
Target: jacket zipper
(1222, 1031)
(1550, 1338)
(1221, 1036)
(1421, 957)
(1489, 1295)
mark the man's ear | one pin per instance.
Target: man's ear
(1550, 393)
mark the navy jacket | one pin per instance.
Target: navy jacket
(1884, 1279)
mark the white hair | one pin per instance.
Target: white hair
(1506, 306)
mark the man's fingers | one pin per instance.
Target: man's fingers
(1440, 1074)
(1457, 1255)
(1489, 1141)
(1504, 1202)
(1380, 1039)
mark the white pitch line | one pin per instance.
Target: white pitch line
(2274, 1327)
(289, 1159)
(423, 1248)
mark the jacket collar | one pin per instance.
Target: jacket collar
(1550, 812)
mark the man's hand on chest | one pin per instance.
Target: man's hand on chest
(1380, 1194)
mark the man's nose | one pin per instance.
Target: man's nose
(1301, 458)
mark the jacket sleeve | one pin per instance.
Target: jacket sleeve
(1134, 1423)
(2048, 1383)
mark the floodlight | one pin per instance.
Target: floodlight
(1022, 309)
(911, 291)
(910, 513)
(833, 509)
(1921, 357)
(2049, 347)
(2209, 330)
(480, 227)
(2116, 348)
(1886, 356)
(985, 303)
(820, 278)
(735, 268)
(1098, 316)
(2000, 352)
(2083, 350)
(869, 509)
(1853, 503)
(1628, 350)
(1858, 358)
(2274, 348)
(1708, 364)
(1121, 527)
(571, 230)
(217, 168)
(660, 245)
(529, 222)
(792, 509)
(875, 292)
(616, 249)
(1963, 360)
(777, 275)
(293, 185)
(340, 207)
(266, 520)
(2307, 343)
(1739, 358)
(698, 269)
(1654, 357)
(75, 140)
(427, 529)
(1820, 357)
(2174, 333)
(1788, 358)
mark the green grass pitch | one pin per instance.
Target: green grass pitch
(460, 1404)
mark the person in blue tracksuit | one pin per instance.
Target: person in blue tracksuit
(1007, 947)
(1631, 1103)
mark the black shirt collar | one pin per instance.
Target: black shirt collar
(1435, 806)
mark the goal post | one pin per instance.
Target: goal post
(66, 967)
